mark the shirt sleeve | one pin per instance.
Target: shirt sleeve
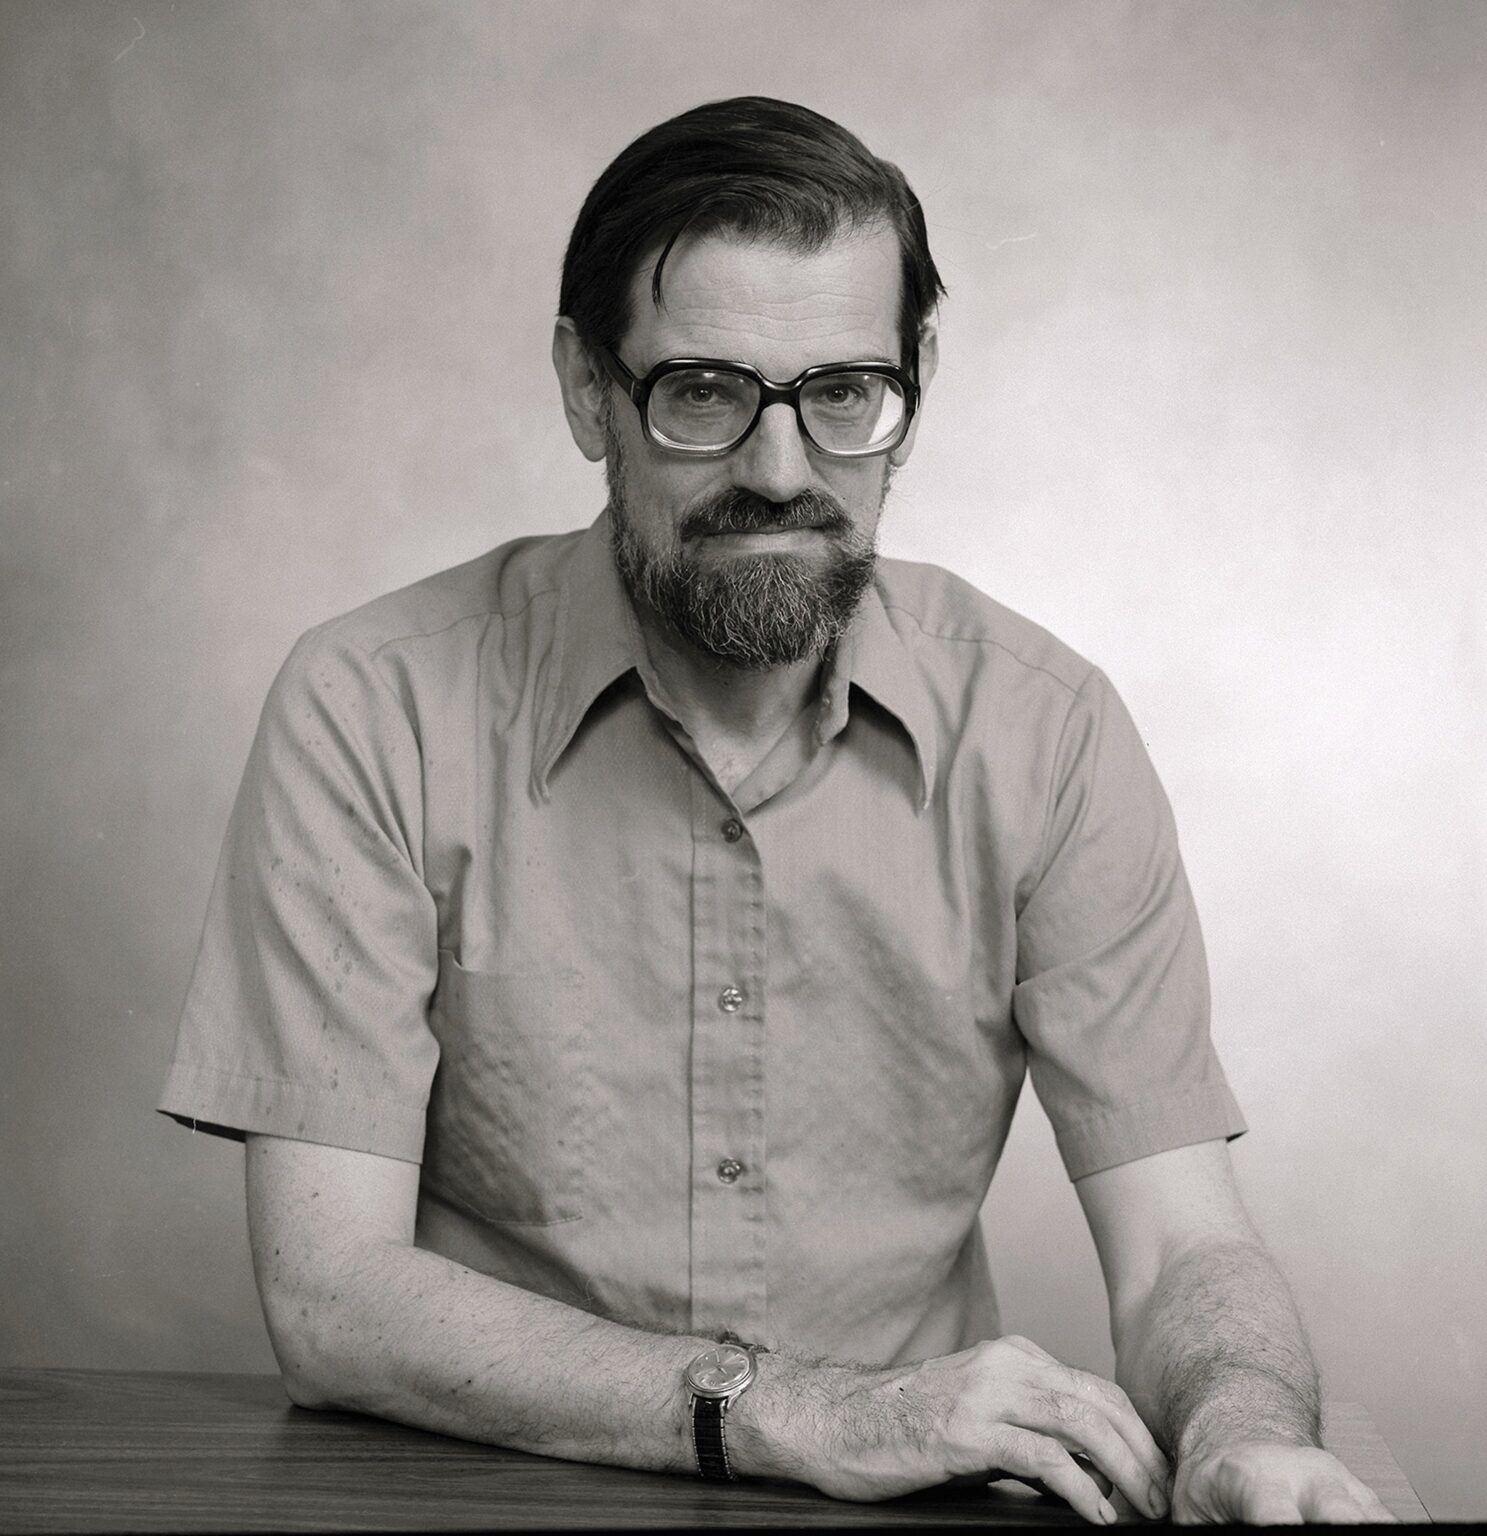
(306, 1016)
(1112, 980)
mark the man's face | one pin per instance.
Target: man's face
(760, 557)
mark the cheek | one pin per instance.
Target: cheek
(860, 487)
(660, 494)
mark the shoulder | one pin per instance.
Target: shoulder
(954, 628)
(387, 662)
(499, 586)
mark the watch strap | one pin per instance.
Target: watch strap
(708, 1442)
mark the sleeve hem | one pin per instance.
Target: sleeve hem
(233, 1104)
(1107, 1138)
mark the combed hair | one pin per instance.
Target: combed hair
(754, 166)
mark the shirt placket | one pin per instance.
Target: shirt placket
(728, 1230)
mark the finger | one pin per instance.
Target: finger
(1269, 1503)
(1075, 1406)
(1085, 1465)
(1107, 1489)
(1121, 1412)
(1331, 1509)
(1082, 1426)
(1041, 1371)
(1037, 1459)
(1334, 1509)
(1344, 1503)
(1273, 1512)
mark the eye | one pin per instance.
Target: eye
(699, 392)
(844, 395)
(838, 393)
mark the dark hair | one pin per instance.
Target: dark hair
(764, 168)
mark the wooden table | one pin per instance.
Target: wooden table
(152, 1451)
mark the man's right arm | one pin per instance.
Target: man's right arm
(362, 1319)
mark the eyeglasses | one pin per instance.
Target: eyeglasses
(702, 406)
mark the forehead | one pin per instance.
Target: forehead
(768, 304)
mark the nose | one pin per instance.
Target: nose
(774, 460)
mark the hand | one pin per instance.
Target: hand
(1263, 1482)
(1004, 1408)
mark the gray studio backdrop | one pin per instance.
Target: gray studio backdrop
(277, 290)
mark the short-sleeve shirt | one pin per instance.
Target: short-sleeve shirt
(690, 1059)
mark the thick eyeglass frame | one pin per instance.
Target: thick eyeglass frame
(771, 392)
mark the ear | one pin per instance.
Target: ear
(929, 360)
(584, 389)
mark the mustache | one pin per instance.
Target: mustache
(739, 511)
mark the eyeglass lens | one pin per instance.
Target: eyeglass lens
(843, 412)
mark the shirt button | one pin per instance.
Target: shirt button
(729, 1169)
(730, 999)
(732, 830)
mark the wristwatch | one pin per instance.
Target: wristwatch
(717, 1378)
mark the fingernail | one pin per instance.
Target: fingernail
(1107, 1512)
(1157, 1499)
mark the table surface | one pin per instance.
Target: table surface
(160, 1451)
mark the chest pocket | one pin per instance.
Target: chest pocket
(509, 1110)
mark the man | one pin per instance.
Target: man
(636, 939)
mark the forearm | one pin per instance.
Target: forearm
(1215, 1353)
(361, 1318)
(408, 1335)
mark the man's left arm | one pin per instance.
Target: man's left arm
(1209, 1345)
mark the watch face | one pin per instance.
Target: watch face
(717, 1372)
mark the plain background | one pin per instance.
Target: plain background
(278, 282)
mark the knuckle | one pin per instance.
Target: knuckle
(1063, 1409)
(1047, 1455)
(1110, 1392)
(1022, 1451)
(1016, 1352)
(1093, 1387)
(1028, 1452)
(994, 1362)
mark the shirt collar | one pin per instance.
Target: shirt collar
(597, 640)
(872, 656)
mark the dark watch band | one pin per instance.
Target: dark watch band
(716, 1378)
(708, 1444)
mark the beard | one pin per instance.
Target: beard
(748, 612)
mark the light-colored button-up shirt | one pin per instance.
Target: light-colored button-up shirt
(689, 1059)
